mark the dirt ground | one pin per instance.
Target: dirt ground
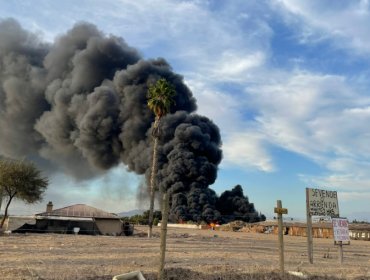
(191, 254)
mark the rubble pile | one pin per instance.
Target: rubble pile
(233, 226)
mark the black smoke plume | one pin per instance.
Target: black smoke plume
(233, 205)
(78, 106)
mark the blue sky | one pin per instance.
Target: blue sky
(286, 81)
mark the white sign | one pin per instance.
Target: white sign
(323, 203)
(340, 229)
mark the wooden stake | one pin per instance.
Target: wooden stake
(165, 212)
(280, 211)
(309, 230)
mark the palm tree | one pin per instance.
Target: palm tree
(160, 98)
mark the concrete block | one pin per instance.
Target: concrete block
(135, 275)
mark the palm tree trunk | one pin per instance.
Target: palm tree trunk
(152, 177)
(165, 212)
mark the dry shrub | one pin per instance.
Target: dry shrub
(52, 273)
(187, 274)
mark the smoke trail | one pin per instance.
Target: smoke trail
(78, 106)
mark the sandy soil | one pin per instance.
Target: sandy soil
(191, 253)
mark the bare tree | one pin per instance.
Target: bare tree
(20, 180)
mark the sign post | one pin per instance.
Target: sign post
(319, 203)
(279, 210)
(340, 244)
(341, 234)
(309, 229)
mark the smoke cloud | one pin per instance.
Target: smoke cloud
(233, 205)
(78, 106)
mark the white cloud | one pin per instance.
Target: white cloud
(349, 182)
(311, 114)
(224, 109)
(247, 150)
(233, 66)
(323, 117)
(354, 196)
(242, 146)
(348, 24)
(191, 35)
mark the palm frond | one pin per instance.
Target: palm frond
(160, 97)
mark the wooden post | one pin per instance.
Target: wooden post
(280, 211)
(165, 213)
(309, 229)
(340, 246)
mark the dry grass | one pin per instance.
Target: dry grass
(192, 254)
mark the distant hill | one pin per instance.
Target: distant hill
(131, 213)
